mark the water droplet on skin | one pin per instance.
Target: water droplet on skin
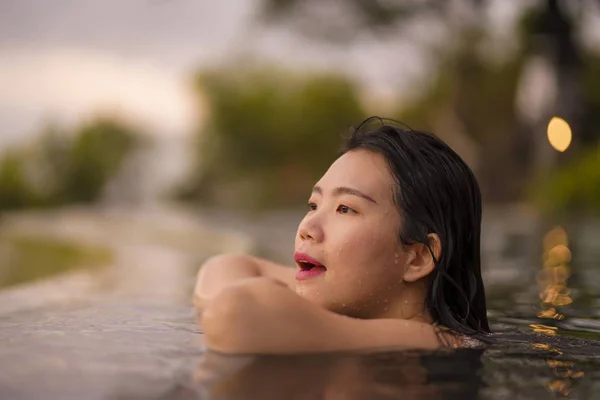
(343, 304)
(386, 300)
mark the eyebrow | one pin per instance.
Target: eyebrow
(345, 190)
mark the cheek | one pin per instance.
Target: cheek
(368, 249)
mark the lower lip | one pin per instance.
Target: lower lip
(304, 274)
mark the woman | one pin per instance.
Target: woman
(388, 256)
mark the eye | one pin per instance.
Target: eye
(312, 206)
(342, 209)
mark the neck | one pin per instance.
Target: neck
(408, 305)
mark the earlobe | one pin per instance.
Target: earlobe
(423, 262)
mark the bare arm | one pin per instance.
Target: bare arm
(220, 271)
(263, 316)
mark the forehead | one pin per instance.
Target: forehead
(362, 170)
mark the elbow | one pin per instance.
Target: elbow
(217, 272)
(227, 322)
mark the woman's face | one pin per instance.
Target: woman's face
(352, 229)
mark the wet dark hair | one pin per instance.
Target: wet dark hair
(436, 192)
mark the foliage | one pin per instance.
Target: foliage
(64, 167)
(15, 190)
(480, 95)
(574, 188)
(591, 93)
(94, 157)
(472, 97)
(270, 135)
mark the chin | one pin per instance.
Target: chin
(311, 294)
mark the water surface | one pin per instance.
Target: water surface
(127, 330)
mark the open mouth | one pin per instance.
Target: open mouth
(307, 265)
(309, 268)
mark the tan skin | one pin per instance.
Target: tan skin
(371, 295)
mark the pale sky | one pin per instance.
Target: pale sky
(64, 60)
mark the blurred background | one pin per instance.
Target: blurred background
(151, 134)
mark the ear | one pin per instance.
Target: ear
(422, 263)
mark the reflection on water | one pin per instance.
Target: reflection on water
(539, 328)
(26, 258)
(553, 277)
(514, 367)
(566, 373)
(411, 375)
(564, 299)
(554, 294)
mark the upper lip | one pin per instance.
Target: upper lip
(301, 257)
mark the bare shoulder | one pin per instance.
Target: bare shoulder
(264, 316)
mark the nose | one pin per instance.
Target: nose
(310, 229)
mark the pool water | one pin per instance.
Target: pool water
(149, 351)
(130, 333)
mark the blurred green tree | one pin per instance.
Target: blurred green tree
(573, 189)
(270, 135)
(15, 189)
(95, 155)
(65, 167)
(473, 98)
